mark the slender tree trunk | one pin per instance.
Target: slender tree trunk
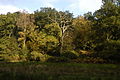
(24, 41)
(62, 40)
(61, 48)
(10, 34)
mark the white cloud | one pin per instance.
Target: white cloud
(83, 6)
(8, 8)
(76, 6)
(89, 5)
(48, 3)
(52, 1)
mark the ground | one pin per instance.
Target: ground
(58, 71)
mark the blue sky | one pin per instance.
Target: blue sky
(77, 7)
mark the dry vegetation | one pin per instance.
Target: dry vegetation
(58, 71)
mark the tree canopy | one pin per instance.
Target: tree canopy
(48, 33)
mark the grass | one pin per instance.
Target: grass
(58, 71)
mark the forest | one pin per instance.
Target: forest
(48, 35)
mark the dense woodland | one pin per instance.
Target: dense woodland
(48, 35)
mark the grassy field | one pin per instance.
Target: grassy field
(58, 71)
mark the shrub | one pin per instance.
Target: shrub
(89, 60)
(35, 56)
(58, 59)
(9, 50)
(70, 54)
(111, 55)
(11, 58)
(109, 50)
(54, 52)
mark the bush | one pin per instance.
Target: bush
(58, 59)
(89, 60)
(70, 54)
(109, 50)
(35, 56)
(54, 52)
(9, 50)
(11, 58)
(111, 55)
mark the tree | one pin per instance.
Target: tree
(89, 16)
(7, 25)
(49, 16)
(65, 24)
(117, 2)
(106, 27)
(42, 42)
(53, 29)
(43, 16)
(9, 50)
(82, 33)
(107, 22)
(25, 23)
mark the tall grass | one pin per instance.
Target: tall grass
(58, 71)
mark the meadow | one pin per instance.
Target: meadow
(58, 71)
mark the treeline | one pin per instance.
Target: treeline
(56, 36)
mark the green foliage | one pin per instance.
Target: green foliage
(116, 2)
(44, 16)
(48, 15)
(23, 53)
(70, 54)
(42, 42)
(25, 23)
(54, 52)
(25, 36)
(7, 25)
(11, 58)
(58, 59)
(82, 33)
(9, 49)
(35, 56)
(106, 32)
(109, 50)
(89, 60)
(53, 29)
(107, 23)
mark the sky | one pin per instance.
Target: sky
(77, 7)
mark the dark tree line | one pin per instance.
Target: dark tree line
(51, 35)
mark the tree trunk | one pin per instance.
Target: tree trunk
(24, 41)
(61, 48)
